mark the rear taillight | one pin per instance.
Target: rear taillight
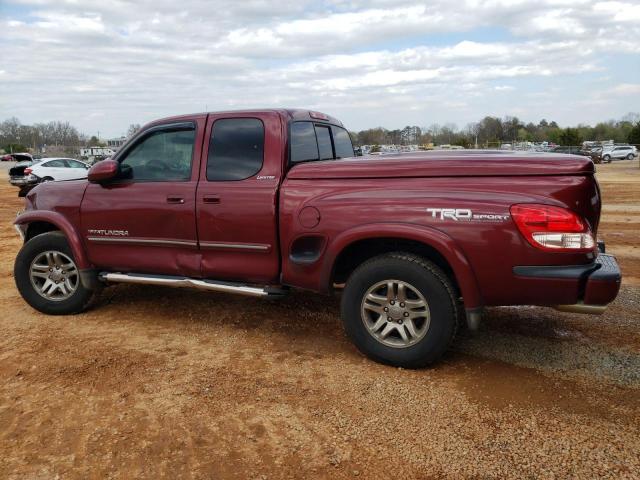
(27, 171)
(553, 228)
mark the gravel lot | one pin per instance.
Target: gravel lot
(185, 384)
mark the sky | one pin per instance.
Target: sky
(105, 64)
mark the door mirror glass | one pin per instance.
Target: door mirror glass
(103, 171)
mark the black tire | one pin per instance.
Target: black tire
(430, 281)
(51, 241)
(606, 159)
(630, 156)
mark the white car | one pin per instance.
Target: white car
(619, 152)
(55, 169)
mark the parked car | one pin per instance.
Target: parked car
(28, 174)
(260, 202)
(16, 176)
(17, 157)
(619, 152)
(595, 153)
(567, 149)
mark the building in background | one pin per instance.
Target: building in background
(116, 143)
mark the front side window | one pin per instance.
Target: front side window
(163, 156)
(236, 149)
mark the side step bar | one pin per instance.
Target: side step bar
(182, 282)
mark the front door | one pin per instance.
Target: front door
(236, 202)
(144, 221)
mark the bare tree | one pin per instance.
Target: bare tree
(133, 129)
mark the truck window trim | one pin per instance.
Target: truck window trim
(143, 135)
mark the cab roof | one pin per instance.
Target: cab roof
(289, 114)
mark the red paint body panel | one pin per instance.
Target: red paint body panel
(601, 292)
(141, 210)
(454, 163)
(244, 230)
(64, 225)
(244, 211)
(58, 203)
(488, 250)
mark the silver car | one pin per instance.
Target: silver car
(619, 152)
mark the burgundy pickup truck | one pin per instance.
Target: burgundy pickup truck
(259, 202)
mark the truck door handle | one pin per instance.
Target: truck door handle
(211, 199)
(175, 199)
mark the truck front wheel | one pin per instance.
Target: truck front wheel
(400, 309)
(47, 276)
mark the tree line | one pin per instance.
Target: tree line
(491, 131)
(16, 137)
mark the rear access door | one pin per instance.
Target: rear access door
(236, 201)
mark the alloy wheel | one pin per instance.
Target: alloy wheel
(54, 275)
(395, 313)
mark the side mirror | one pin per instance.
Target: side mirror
(103, 171)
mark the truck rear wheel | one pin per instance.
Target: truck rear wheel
(400, 309)
(47, 276)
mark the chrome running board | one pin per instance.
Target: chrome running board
(185, 282)
(582, 308)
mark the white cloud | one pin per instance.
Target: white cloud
(626, 89)
(369, 61)
(620, 11)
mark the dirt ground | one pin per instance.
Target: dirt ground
(184, 384)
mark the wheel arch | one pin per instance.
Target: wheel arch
(39, 227)
(354, 247)
(36, 222)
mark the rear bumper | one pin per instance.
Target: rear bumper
(22, 181)
(598, 283)
(18, 182)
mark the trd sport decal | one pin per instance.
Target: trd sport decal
(465, 214)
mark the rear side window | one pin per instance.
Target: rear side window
(311, 141)
(342, 142)
(304, 146)
(55, 164)
(75, 164)
(324, 143)
(236, 149)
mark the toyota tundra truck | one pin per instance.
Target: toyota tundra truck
(262, 202)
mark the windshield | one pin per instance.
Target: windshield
(317, 141)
